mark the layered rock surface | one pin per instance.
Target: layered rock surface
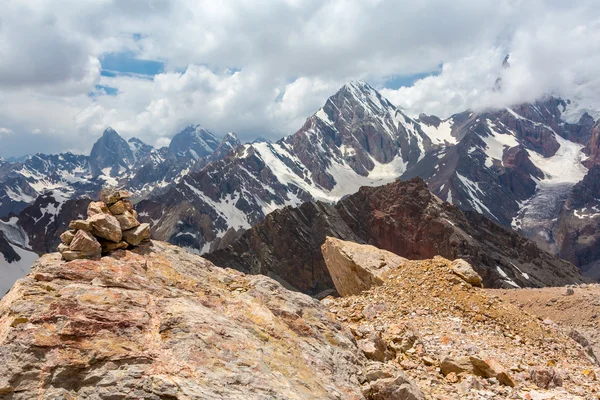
(160, 323)
(457, 341)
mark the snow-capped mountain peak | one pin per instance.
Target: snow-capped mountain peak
(194, 141)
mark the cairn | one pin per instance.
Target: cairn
(112, 224)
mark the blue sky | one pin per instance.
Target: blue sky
(127, 63)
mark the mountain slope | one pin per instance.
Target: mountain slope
(358, 138)
(402, 217)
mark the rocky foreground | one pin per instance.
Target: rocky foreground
(156, 322)
(452, 338)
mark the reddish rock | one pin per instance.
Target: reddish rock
(67, 237)
(117, 208)
(97, 207)
(82, 224)
(86, 245)
(106, 226)
(127, 220)
(137, 235)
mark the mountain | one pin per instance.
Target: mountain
(15, 258)
(42, 193)
(516, 166)
(577, 229)
(111, 155)
(358, 138)
(402, 217)
(193, 141)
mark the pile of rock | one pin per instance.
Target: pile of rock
(111, 224)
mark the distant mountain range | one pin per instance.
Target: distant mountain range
(522, 167)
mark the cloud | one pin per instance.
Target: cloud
(5, 132)
(261, 67)
(556, 53)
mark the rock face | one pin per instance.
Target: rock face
(160, 323)
(111, 225)
(354, 268)
(404, 218)
(287, 246)
(578, 228)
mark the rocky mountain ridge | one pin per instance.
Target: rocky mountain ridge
(516, 166)
(403, 217)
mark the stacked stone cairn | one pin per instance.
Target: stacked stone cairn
(111, 224)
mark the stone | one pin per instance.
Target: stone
(428, 361)
(399, 388)
(458, 365)
(468, 384)
(377, 370)
(67, 236)
(111, 197)
(71, 255)
(354, 267)
(108, 246)
(86, 245)
(137, 235)
(97, 207)
(490, 368)
(545, 377)
(62, 248)
(160, 323)
(118, 208)
(107, 227)
(403, 342)
(128, 205)
(569, 292)
(374, 348)
(82, 224)
(466, 272)
(127, 220)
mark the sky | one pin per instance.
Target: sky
(147, 68)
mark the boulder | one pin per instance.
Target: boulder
(469, 384)
(86, 245)
(490, 368)
(111, 197)
(108, 246)
(62, 248)
(399, 388)
(458, 365)
(354, 267)
(82, 224)
(545, 377)
(374, 348)
(97, 207)
(128, 205)
(107, 227)
(67, 237)
(118, 208)
(71, 255)
(137, 235)
(466, 272)
(127, 220)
